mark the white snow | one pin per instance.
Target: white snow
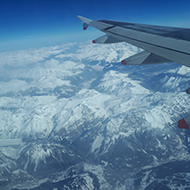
(13, 86)
(39, 154)
(99, 172)
(10, 142)
(25, 57)
(116, 96)
(100, 96)
(97, 143)
(183, 70)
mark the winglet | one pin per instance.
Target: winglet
(86, 22)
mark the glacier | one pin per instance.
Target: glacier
(72, 117)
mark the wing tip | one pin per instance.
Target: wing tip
(84, 20)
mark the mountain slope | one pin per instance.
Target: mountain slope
(72, 117)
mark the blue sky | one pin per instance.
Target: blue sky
(37, 23)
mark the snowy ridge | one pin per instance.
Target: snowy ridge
(88, 122)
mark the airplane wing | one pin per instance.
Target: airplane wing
(161, 44)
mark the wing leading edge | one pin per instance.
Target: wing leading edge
(161, 44)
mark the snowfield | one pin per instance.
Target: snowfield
(73, 117)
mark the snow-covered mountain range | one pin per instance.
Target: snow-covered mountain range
(72, 117)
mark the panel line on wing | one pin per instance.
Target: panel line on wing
(171, 32)
(150, 43)
(108, 28)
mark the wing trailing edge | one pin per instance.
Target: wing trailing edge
(144, 58)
